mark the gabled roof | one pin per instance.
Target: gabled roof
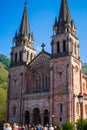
(36, 61)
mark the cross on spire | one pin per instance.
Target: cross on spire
(24, 27)
(26, 2)
(43, 45)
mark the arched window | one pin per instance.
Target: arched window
(39, 83)
(15, 57)
(20, 55)
(42, 81)
(31, 57)
(46, 82)
(84, 87)
(77, 108)
(14, 111)
(27, 55)
(36, 84)
(75, 49)
(61, 108)
(64, 45)
(58, 47)
(67, 29)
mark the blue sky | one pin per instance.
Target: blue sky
(41, 19)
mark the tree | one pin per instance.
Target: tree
(84, 124)
(59, 127)
(68, 126)
(2, 105)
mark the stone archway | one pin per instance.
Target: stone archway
(46, 117)
(36, 116)
(26, 117)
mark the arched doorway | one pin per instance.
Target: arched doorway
(36, 116)
(27, 117)
(46, 117)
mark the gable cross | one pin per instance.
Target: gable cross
(43, 45)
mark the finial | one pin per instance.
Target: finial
(43, 45)
(26, 2)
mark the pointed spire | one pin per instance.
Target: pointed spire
(55, 21)
(15, 37)
(24, 27)
(64, 16)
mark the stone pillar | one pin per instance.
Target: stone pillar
(42, 119)
(51, 93)
(31, 118)
(54, 48)
(61, 46)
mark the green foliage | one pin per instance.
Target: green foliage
(5, 61)
(4, 64)
(59, 127)
(3, 77)
(68, 126)
(84, 124)
(3, 96)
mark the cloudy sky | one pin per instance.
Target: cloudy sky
(41, 19)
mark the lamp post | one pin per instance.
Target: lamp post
(80, 98)
(52, 119)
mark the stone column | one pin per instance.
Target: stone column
(42, 120)
(51, 92)
(31, 118)
(61, 46)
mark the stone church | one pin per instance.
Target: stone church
(43, 88)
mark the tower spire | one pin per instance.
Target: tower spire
(24, 27)
(64, 27)
(24, 34)
(64, 14)
(64, 17)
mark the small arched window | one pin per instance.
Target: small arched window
(14, 111)
(46, 82)
(27, 55)
(42, 81)
(20, 55)
(58, 47)
(31, 57)
(36, 84)
(77, 108)
(84, 87)
(75, 49)
(39, 83)
(15, 57)
(64, 45)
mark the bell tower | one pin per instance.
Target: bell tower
(22, 50)
(64, 39)
(21, 55)
(66, 66)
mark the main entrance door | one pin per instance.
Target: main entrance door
(46, 117)
(36, 116)
(27, 117)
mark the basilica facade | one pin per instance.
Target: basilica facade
(44, 88)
